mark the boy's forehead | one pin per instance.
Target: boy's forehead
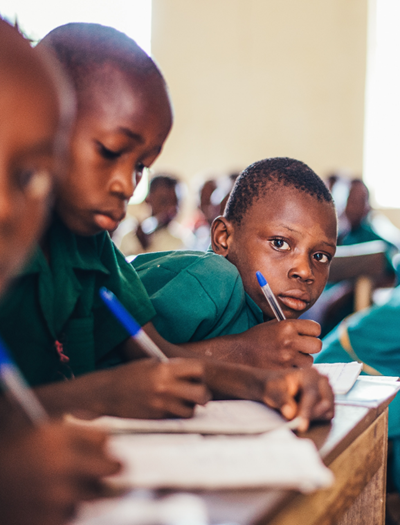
(286, 203)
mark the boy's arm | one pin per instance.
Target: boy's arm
(143, 389)
(306, 392)
(270, 345)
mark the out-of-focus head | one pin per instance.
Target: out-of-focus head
(357, 206)
(164, 197)
(35, 113)
(210, 209)
(124, 117)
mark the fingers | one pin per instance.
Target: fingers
(304, 393)
(89, 458)
(316, 396)
(169, 389)
(307, 327)
(302, 360)
(194, 393)
(91, 468)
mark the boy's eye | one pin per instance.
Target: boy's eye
(107, 153)
(34, 182)
(322, 257)
(139, 169)
(280, 244)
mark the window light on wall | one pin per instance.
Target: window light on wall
(382, 117)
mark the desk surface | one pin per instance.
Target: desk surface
(260, 506)
(353, 445)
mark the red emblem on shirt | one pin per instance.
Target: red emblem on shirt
(60, 351)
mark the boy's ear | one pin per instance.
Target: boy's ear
(221, 235)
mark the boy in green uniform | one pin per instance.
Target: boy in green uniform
(279, 220)
(124, 117)
(44, 470)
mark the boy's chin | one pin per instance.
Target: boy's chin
(78, 227)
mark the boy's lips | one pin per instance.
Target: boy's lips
(295, 299)
(108, 220)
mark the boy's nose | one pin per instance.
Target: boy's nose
(302, 269)
(123, 183)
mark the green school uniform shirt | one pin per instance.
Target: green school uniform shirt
(60, 303)
(196, 295)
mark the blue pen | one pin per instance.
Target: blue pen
(15, 385)
(129, 323)
(270, 297)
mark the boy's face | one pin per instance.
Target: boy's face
(29, 116)
(120, 130)
(290, 237)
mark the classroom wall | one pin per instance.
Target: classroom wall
(256, 78)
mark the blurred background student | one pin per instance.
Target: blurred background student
(159, 231)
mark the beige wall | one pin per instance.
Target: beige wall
(256, 78)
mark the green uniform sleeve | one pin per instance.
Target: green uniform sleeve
(196, 295)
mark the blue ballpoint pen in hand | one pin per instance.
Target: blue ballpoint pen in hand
(15, 385)
(129, 323)
(298, 421)
(270, 297)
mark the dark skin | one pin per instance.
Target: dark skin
(291, 238)
(44, 471)
(115, 136)
(121, 127)
(47, 470)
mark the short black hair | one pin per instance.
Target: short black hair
(83, 48)
(268, 175)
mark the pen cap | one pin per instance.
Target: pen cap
(120, 312)
(261, 279)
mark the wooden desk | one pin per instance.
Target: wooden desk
(354, 446)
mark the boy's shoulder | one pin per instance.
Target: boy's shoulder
(182, 269)
(174, 262)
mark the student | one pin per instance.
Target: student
(44, 471)
(124, 117)
(159, 232)
(280, 220)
